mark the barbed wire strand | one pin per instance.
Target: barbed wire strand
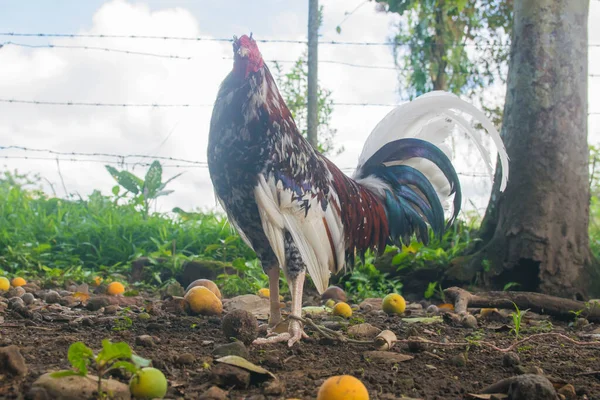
(194, 164)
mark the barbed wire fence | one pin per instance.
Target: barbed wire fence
(143, 160)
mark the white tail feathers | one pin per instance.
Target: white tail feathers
(433, 117)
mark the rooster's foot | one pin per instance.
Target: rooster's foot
(294, 334)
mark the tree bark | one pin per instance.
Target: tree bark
(536, 232)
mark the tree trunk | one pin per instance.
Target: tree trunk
(536, 232)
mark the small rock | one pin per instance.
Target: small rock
(214, 393)
(414, 306)
(145, 341)
(524, 387)
(64, 293)
(112, 309)
(96, 303)
(87, 322)
(52, 297)
(69, 301)
(469, 321)
(28, 298)
(185, 359)
(175, 305)
(334, 325)
(459, 360)
(143, 316)
(581, 323)
(77, 387)
(364, 331)
(11, 361)
(568, 391)
(510, 359)
(240, 325)
(274, 388)
(334, 293)
(15, 302)
(174, 289)
(531, 369)
(432, 309)
(416, 346)
(231, 349)
(371, 304)
(386, 357)
(229, 376)
(258, 306)
(16, 292)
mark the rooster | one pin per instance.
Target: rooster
(298, 211)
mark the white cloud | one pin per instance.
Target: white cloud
(97, 76)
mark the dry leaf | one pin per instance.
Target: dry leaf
(240, 362)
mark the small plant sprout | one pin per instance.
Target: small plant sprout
(113, 356)
(517, 317)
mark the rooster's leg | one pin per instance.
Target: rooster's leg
(275, 315)
(295, 332)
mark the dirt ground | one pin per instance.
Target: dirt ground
(435, 372)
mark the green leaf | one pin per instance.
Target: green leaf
(126, 365)
(115, 190)
(62, 374)
(152, 181)
(80, 356)
(338, 29)
(112, 351)
(140, 362)
(129, 181)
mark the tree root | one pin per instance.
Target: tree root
(558, 307)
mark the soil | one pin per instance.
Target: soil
(434, 373)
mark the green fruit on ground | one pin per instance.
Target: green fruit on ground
(148, 383)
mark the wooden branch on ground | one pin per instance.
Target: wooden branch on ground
(540, 303)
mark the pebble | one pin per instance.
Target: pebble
(145, 341)
(231, 349)
(112, 309)
(363, 331)
(274, 388)
(15, 302)
(143, 316)
(469, 321)
(214, 393)
(386, 357)
(432, 309)
(96, 303)
(229, 376)
(185, 359)
(28, 298)
(76, 387)
(16, 292)
(52, 297)
(459, 360)
(510, 359)
(568, 391)
(12, 361)
(524, 387)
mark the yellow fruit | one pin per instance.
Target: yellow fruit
(446, 306)
(343, 387)
(393, 303)
(486, 312)
(148, 383)
(4, 283)
(18, 281)
(207, 283)
(342, 309)
(330, 303)
(264, 293)
(96, 281)
(115, 288)
(202, 301)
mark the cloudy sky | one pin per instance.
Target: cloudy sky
(78, 75)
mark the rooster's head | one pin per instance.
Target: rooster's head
(246, 56)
